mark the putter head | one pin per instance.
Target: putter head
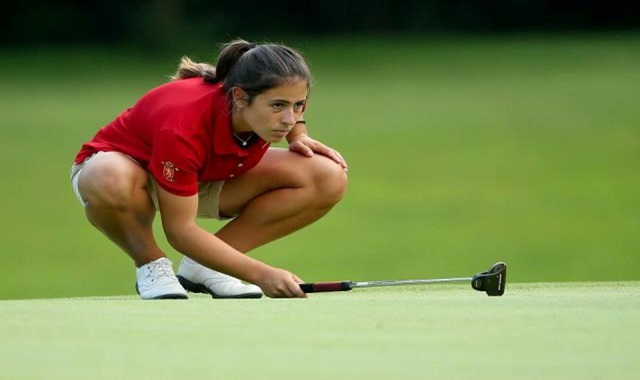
(492, 281)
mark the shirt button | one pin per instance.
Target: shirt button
(240, 165)
(231, 175)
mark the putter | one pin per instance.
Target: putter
(492, 282)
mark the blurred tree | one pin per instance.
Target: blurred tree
(158, 23)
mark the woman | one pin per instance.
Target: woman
(199, 146)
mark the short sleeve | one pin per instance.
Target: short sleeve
(175, 162)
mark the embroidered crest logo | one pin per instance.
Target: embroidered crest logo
(169, 170)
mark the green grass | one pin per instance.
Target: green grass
(535, 331)
(462, 152)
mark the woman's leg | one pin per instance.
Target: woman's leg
(282, 194)
(117, 203)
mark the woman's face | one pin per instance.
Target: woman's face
(273, 113)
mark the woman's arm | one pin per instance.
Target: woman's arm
(179, 223)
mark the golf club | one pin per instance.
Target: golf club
(492, 282)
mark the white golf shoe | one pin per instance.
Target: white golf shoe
(197, 278)
(156, 280)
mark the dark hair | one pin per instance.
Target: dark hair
(255, 68)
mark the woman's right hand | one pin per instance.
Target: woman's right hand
(279, 283)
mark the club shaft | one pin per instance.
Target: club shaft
(369, 284)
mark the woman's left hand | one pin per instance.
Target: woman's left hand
(306, 146)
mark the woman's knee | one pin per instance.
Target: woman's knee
(329, 180)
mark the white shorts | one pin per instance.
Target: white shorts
(208, 192)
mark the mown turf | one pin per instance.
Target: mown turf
(536, 331)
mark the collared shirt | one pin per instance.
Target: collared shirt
(181, 133)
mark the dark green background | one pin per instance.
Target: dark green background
(175, 23)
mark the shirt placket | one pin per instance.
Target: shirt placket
(239, 164)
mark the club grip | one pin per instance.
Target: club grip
(317, 287)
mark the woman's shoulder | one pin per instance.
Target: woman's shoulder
(182, 97)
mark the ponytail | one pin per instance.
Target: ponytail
(189, 69)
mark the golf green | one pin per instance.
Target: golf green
(535, 331)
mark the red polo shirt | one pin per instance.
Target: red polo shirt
(181, 133)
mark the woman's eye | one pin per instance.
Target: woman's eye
(277, 106)
(298, 107)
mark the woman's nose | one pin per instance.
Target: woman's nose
(289, 117)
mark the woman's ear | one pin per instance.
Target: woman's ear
(240, 97)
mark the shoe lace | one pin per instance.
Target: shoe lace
(161, 268)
